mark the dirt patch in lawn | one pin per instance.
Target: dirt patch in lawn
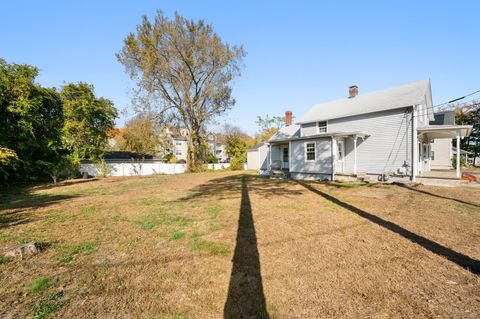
(236, 245)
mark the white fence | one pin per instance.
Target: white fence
(130, 168)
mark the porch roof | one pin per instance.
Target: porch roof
(443, 131)
(329, 134)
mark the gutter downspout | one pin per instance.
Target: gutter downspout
(355, 155)
(414, 145)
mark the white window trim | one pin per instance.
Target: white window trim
(315, 151)
(318, 128)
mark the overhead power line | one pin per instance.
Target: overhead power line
(458, 99)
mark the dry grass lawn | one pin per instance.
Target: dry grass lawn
(235, 245)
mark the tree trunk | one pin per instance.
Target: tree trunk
(194, 149)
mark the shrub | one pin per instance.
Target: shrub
(237, 163)
(463, 160)
(102, 168)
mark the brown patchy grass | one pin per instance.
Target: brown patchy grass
(235, 245)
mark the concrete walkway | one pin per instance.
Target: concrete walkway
(446, 178)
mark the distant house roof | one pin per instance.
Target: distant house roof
(444, 118)
(179, 138)
(410, 94)
(125, 155)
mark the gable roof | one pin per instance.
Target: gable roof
(409, 94)
(285, 133)
(256, 147)
(444, 118)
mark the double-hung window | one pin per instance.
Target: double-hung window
(310, 151)
(322, 127)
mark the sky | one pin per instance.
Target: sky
(299, 53)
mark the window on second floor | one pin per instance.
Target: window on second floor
(322, 127)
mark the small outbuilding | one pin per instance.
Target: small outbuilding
(257, 157)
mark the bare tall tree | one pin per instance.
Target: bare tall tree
(185, 70)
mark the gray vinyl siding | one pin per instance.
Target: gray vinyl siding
(442, 149)
(322, 163)
(309, 129)
(258, 158)
(263, 155)
(386, 150)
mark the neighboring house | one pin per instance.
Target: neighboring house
(217, 147)
(179, 148)
(220, 152)
(178, 136)
(441, 149)
(383, 133)
(257, 157)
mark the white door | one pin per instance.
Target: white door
(340, 156)
(426, 157)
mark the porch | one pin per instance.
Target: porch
(322, 154)
(426, 134)
(278, 159)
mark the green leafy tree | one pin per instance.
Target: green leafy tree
(31, 118)
(185, 69)
(469, 114)
(237, 151)
(236, 146)
(87, 120)
(8, 162)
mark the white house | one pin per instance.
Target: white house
(382, 134)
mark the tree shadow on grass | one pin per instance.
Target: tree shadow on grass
(245, 297)
(435, 195)
(230, 187)
(15, 209)
(460, 259)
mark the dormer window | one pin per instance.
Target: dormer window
(322, 127)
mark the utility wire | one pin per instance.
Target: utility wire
(458, 99)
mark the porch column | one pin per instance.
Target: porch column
(414, 144)
(458, 155)
(420, 161)
(289, 155)
(334, 151)
(429, 149)
(355, 155)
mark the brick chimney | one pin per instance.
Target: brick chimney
(288, 118)
(352, 91)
